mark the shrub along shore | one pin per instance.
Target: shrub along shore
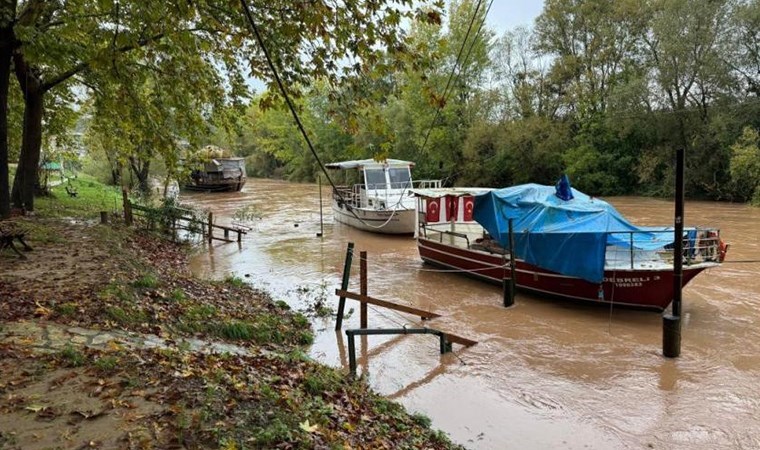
(71, 375)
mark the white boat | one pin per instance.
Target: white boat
(379, 200)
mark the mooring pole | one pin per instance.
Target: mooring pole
(363, 288)
(321, 220)
(351, 353)
(210, 227)
(671, 323)
(509, 285)
(344, 284)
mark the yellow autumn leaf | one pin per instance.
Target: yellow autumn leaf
(38, 408)
(307, 427)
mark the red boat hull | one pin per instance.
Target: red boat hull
(646, 289)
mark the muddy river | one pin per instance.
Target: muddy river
(545, 374)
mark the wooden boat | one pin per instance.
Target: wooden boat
(219, 174)
(380, 201)
(456, 231)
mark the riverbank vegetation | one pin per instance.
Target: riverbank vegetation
(122, 359)
(602, 90)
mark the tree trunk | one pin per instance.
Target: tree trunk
(31, 143)
(5, 72)
(7, 10)
(141, 169)
(33, 90)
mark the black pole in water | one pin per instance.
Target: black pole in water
(671, 323)
(321, 221)
(509, 285)
(344, 285)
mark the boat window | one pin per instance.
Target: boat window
(400, 178)
(375, 178)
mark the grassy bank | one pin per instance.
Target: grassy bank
(111, 280)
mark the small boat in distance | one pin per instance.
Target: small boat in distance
(566, 243)
(378, 200)
(217, 172)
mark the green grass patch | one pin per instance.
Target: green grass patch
(200, 313)
(72, 357)
(146, 281)
(232, 280)
(178, 295)
(115, 291)
(322, 379)
(66, 309)
(107, 364)
(238, 330)
(126, 316)
(92, 197)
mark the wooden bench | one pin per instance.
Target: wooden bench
(9, 232)
(71, 191)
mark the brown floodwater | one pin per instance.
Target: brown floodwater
(545, 374)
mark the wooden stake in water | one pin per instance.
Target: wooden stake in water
(344, 285)
(321, 221)
(363, 288)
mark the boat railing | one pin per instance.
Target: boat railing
(347, 194)
(634, 249)
(426, 184)
(430, 232)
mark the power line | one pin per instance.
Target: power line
(293, 111)
(454, 69)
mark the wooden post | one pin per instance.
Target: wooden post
(344, 285)
(127, 208)
(363, 288)
(103, 217)
(210, 226)
(321, 220)
(240, 236)
(226, 233)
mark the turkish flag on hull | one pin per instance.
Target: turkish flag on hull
(433, 213)
(469, 205)
(452, 207)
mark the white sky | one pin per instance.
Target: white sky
(506, 15)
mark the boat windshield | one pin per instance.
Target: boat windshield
(400, 178)
(375, 178)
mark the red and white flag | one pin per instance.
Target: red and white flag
(433, 213)
(452, 207)
(469, 206)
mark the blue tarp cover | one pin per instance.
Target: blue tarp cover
(569, 237)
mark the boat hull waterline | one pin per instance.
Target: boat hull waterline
(400, 221)
(645, 289)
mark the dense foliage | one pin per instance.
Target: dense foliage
(604, 90)
(161, 74)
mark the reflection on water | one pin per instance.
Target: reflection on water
(545, 373)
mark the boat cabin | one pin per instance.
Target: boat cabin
(375, 195)
(372, 184)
